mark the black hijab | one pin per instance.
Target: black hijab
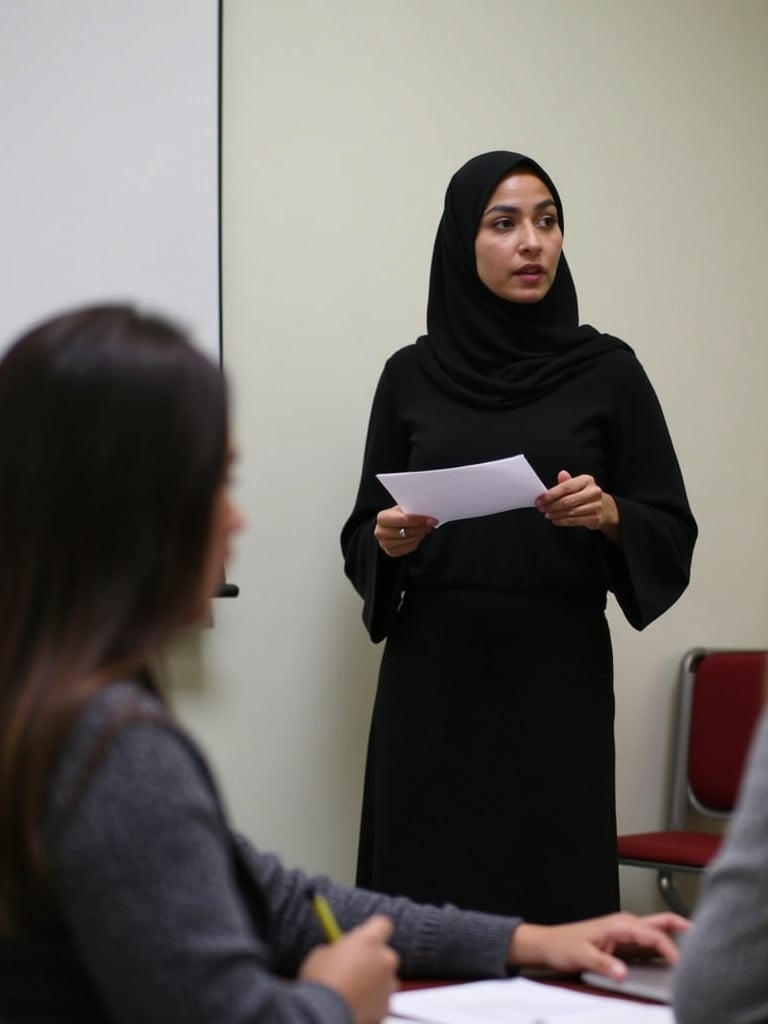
(479, 347)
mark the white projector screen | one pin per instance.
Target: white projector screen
(109, 174)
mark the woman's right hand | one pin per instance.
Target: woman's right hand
(597, 944)
(361, 967)
(398, 533)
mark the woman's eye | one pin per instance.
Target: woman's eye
(502, 224)
(548, 221)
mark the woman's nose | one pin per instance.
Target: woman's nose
(529, 239)
(237, 520)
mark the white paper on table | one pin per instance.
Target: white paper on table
(464, 492)
(519, 1001)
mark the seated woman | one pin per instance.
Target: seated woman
(124, 894)
(723, 974)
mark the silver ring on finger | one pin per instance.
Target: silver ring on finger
(403, 534)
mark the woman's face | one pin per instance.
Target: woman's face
(519, 240)
(226, 521)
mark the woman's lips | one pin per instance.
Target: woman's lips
(531, 272)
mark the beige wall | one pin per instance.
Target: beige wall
(342, 123)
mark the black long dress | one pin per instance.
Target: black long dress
(490, 774)
(490, 771)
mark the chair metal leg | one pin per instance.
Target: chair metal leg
(671, 894)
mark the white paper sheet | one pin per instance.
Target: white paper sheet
(464, 492)
(519, 1001)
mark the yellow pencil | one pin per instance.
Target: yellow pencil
(328, 922)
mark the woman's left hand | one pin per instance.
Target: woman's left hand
(580, 501)
(597, 944)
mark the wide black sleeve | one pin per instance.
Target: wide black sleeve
(376, 577)
(651, 568)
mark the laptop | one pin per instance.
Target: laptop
(647, 981)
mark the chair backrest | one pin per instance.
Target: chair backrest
(721, 697)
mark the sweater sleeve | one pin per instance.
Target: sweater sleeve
(651, 568)
(722, 976)
(144, 874)
(436, 942)
(377, 578)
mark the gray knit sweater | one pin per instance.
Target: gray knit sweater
(159, 913)
(723, 973)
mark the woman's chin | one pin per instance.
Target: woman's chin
(200, 616)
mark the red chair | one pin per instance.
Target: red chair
(720, 698)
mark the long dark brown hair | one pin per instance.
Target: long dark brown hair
(113, 441)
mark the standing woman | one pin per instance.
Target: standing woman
(490, 772)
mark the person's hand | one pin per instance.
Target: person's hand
(597, 944)
(398, 533)
(361, 967)
(579, 501)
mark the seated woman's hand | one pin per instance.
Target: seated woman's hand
(361, 967)
(398, 533)
(597, 944)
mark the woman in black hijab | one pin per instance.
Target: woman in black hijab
(490, 774)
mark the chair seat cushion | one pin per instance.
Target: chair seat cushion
(690, 849)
